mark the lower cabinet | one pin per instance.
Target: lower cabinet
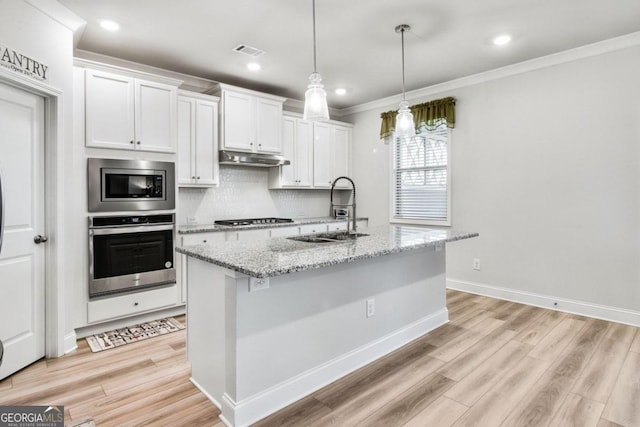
(285, 231)
(115, 307)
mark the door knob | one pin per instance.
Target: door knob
(40, 239)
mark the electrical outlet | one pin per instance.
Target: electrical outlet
(258, 283)
(476, 263)
(371, 307)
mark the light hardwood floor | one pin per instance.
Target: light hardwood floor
(496, 363)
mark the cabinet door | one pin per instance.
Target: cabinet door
(304, 153)
(186, 138)
(341, 155)
(109, 110)
(321, 155)
(288, 175)
(254, 235)
(268, 126)
(155, 116)
(206, 143)
(238, 121)
(285, 231)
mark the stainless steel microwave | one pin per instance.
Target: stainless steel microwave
(130, 185)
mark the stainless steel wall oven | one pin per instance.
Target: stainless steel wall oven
(130, 185)
(130, 252)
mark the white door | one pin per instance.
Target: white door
(22, 261)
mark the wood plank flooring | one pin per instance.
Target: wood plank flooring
(496, 363)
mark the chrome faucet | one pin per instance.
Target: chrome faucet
(352, 205)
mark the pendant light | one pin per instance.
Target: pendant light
(404, 120)
(315, 98)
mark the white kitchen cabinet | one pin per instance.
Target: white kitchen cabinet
(297, 146)
(251, 121)
(285, 231)
(322, 176)
(197, 140)
(127, 113)
(338, 226)
(203, 238)
(133, 303)
(331, 154)
(249, 235)
(313, 228)
(341, 154)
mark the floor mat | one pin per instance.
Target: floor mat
(131, 334)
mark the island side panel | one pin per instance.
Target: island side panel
(310, 328)
(206, 327)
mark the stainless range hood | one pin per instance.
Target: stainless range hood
(251, 159)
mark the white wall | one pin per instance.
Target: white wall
(546, 167)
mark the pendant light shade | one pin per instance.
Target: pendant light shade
(404, 120)
(315, 98)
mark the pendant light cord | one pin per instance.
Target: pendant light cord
(313, 4)
(402, 37)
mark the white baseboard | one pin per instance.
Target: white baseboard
(70, 343)
(271, 400)
(596, 311)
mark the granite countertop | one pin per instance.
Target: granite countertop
(208, 228)
(277, 256)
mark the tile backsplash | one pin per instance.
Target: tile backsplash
(244, 193)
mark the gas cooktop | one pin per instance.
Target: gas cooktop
(252, 221)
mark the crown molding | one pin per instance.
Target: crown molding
(587, 51)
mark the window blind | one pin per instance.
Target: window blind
(421, 175)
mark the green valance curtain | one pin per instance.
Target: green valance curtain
(428, 114)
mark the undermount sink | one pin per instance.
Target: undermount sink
(340, 236)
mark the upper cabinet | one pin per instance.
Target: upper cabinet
(126, 112)
(250, 121)
(297, 147)
(197, 140)
(319, 153)
(331, 154)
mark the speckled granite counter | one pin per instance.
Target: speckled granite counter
(208, 228)
(274, 257)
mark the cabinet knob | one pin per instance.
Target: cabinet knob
(138, 142)
(131, 142)
(135, 304)
(251, 143)
(198, 178)
(193, 177)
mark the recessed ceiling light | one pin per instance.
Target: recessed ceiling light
(109, 25)
(340, 91)
(501, 40)
(254, 66)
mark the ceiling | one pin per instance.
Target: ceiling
(357, 47)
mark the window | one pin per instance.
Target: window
(421, 180)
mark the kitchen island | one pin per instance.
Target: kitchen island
(271, 321)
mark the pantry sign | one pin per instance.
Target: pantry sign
(15, 61)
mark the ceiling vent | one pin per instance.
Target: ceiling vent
(248, 50)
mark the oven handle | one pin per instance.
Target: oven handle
(127, 230)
